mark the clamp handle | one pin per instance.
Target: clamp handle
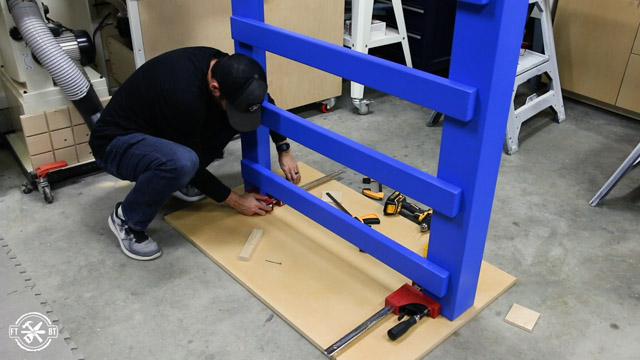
(401, 328)
(415, 311)
(369, 219)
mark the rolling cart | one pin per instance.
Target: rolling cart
(43, 176)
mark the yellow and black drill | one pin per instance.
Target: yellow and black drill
(397, 203)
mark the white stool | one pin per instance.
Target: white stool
(530, 65)
(360, 40)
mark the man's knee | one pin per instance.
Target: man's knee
(185, 165)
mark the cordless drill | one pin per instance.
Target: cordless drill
(397, 203)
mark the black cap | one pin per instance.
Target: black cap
(243, 83)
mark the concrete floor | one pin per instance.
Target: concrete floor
(576, 265)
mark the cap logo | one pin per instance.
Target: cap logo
(254, 107)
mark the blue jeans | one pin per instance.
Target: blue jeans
(159, 167)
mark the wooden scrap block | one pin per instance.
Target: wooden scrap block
(250, 245)
(520, 316)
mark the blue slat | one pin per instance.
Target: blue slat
(443, 95)
(428, 189)
(255, 144)
(475, 2)
(487, 41)
(401, 259)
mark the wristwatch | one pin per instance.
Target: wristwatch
(283, 147)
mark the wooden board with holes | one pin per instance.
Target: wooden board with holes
(168, 25)
(324, 286)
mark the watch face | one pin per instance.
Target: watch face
(283, 147)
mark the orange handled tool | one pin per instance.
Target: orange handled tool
(369, 219)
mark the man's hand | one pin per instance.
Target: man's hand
(289, 166)
(248, 204)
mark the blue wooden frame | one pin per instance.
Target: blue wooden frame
(475, 99)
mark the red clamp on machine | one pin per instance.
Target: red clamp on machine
(406, 301)
(40, 174)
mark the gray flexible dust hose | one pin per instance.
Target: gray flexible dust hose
(63, 70)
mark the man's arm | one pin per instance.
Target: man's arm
(247, 204)
(287, 162)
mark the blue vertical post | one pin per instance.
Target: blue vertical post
(255, 144)
(486, 45)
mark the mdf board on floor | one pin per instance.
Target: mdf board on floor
(168, 25)
(323, 286)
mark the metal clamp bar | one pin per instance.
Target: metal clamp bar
(353, 334)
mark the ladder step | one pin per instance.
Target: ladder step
(530, 60)
(392, 36)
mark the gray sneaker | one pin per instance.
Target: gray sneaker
(135, 244)
(189, 193)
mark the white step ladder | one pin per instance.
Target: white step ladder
(631, 162)
(360, 40)
(530, 65)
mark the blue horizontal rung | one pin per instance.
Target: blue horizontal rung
(434, 92)
(428, 189)
(475, 2)
(408, 263)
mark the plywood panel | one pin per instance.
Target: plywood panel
(629, 97)
(593, 41)
(67, 154)
(636, 46)
(33, 124)
(122, 62)
(84, 152)
(168, 25)
(62, 138)
(293, 84)
(59, 118)
(37, 160)
(81, 133)
(324, 286)
(38, 144)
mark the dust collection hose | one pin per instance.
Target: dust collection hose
(63, 70)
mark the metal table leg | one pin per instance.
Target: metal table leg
(628, 164)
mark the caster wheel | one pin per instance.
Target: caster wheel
(27, 188)
(363, 109)
(325, 109)
(48, 195)
(434, 119)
